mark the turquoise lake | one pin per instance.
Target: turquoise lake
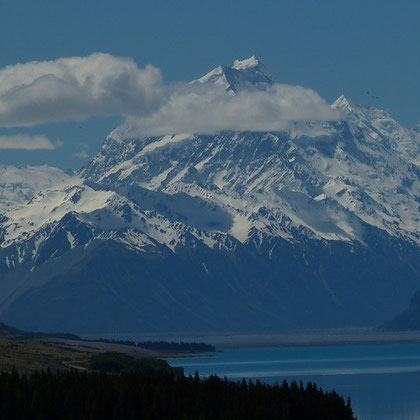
(383, 381)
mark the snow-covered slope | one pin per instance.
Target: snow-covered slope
(380, 125)
(328, 184)
(324, 217)
(18, 184)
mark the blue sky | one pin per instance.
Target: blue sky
(351, 47)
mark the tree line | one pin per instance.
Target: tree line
(164, 346)
(79, 395)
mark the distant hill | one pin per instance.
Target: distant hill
(163, 347)
(8, 331)
(408, 320)
(11, 332)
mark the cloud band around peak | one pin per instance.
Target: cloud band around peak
(77, 88)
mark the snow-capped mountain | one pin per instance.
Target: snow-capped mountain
(315, 226)
(244, 74)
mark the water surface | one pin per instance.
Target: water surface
(383, 381)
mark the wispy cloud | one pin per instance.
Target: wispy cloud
(26, 142)
(83, 152)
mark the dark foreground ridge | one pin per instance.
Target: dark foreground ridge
(133, 395)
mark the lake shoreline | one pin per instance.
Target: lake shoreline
(293, 338)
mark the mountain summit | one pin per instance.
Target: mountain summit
(313, 227)
(342, 104)
(248, 63)
(244, 74)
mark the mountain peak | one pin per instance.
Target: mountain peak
(245, 74)
(342, 103)
(247, 63)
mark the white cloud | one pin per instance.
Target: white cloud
(76, 88)
(26, 142)
(208, 109)
(102, 85)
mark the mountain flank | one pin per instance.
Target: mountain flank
(407, 320)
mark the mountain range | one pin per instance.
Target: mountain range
(316, 226)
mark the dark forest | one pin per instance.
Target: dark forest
(133, 395)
